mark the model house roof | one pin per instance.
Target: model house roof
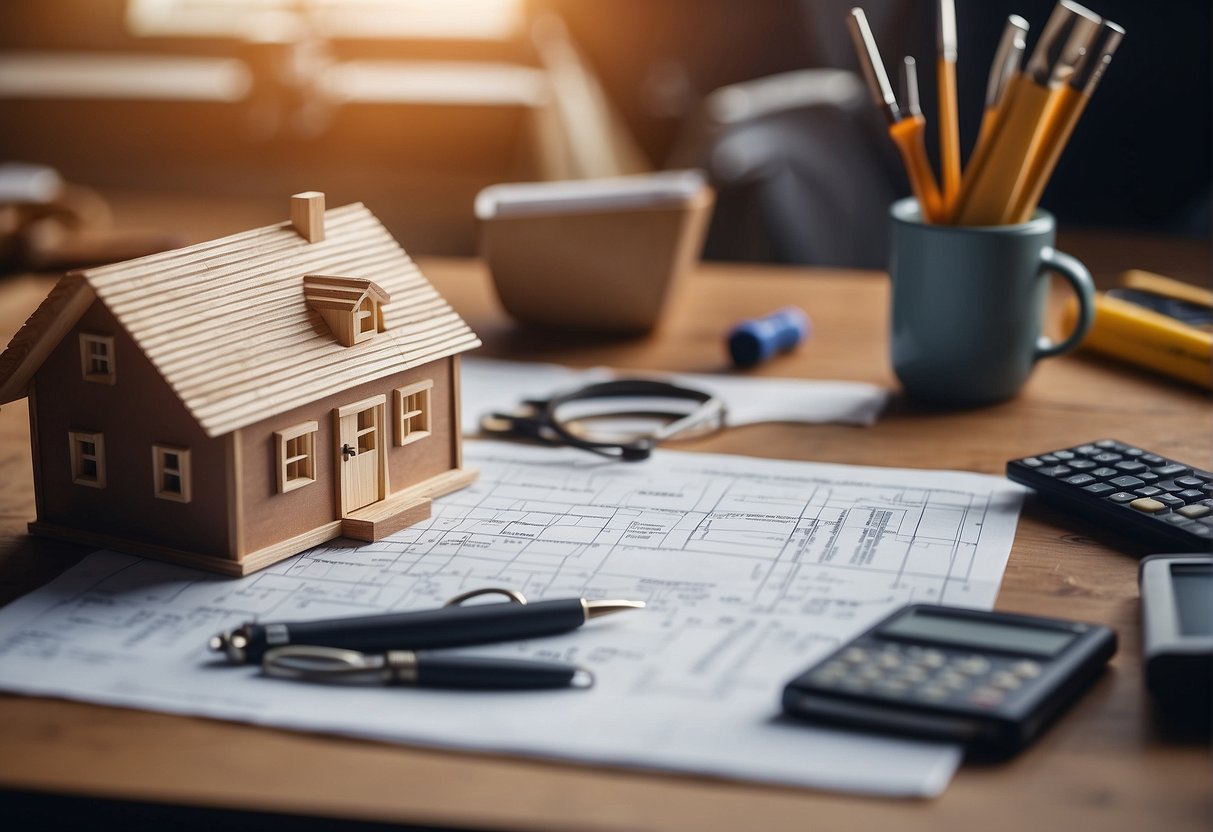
(229, 326)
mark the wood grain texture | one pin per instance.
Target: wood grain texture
(307, 215)
(1110, 764)
(226, 322)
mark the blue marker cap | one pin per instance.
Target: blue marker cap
(754, 341)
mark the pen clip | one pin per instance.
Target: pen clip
(515, 597)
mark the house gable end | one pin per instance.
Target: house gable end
(41, 333)
(127, 422)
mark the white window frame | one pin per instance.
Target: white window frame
(304, 458)
(76, 441)
(161, 469)
(88, 340)
(413, 411)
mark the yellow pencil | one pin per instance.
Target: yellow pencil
(949, 120)
(1071, 101)
(990, 183)
(1007, 57)
(909, 133)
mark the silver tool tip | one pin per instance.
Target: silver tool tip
(945, 30)
(909, 86)
(595, 609)
(871, 66)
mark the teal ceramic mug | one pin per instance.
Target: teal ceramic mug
(969, 305)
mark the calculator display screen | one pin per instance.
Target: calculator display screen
(972, 632)
(1193, 583)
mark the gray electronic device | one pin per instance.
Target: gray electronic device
(987, 679)
(1177, 631)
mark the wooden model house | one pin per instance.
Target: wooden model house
(235, 402)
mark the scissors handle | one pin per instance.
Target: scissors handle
(485, 673)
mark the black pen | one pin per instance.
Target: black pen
(430, 670)
(449, 626)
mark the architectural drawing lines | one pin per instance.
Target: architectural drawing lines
(751, 569)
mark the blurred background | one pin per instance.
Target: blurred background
(413, 106)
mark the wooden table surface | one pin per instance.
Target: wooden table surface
(1109, 764)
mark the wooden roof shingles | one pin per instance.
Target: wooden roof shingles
(227, 325)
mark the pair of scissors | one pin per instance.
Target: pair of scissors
(573, 417)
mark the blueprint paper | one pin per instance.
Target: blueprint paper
(491, 384)
(751, 569)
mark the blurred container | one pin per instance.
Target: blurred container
(595, 254)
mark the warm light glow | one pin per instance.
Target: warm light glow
(133, 77)
(291, 20)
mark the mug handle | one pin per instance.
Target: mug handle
(1076, 274)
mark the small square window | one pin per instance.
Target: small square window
(171, 472)
(412, 406)
(296, 450)
(97, 358)
(87, 458)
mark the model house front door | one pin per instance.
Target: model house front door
(361, 459)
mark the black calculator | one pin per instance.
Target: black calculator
(1127, 489)
(990, 680)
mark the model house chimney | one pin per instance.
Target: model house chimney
(307, 215)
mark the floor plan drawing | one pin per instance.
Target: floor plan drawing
(750, 569)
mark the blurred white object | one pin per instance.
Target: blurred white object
(26, 183)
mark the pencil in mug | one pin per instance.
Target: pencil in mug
(906, 131)
(1005, 67)
(990, 183)
(949, 119)
(1068, 107)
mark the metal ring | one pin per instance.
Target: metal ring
(312, 663)
(515, 597)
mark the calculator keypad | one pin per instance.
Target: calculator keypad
(925, 675)
(1113, 482)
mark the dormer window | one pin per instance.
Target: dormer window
(351, 306)
(365, 317)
